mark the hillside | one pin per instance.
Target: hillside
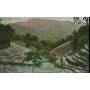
(45, 29)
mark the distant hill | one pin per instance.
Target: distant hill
(45, 29)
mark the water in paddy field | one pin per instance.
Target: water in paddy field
(46, 68)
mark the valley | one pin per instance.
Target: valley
(45, 29)
(44, 46)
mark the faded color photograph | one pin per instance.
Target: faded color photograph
(44, 44)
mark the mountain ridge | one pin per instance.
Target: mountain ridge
(45, 27)
(40, 22)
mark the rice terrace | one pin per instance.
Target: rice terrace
(44, 44)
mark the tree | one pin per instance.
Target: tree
(80, 37)
(6, 35)
(75, 41)
(35, 58)
(44, 43)
(44, 53)
(82, 21)
(34, 38)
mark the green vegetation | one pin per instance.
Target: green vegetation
(35, 59)
(79, 39)
(45, 29)
(6, 35)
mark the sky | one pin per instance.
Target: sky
(7, 20)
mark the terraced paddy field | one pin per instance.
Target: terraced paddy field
(11, 61)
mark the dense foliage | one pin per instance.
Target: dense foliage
(6, 35)
(81, 37)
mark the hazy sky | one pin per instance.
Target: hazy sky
(19, 19)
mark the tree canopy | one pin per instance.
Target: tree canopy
(6, 34)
